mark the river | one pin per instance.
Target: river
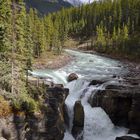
(97, 124)
(86, 65)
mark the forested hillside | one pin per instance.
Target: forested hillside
(112, 26)
(23, 37)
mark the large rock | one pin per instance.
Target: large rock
(126, 138)
(6, 133)
(48, 124)
(96, 82)
(121, 104)
(55, 123)
(66, 115)
(100, 81)
(72, 76)
(78, 121)
(13, 127)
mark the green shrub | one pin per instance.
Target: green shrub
(25, 103)
(16, 104)
(29, 105)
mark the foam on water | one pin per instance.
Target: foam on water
(68, 136)
(76, 89)
(85, 65)
(56, 76)
(97, 124)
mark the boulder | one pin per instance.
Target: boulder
(126, 138)
(100, 81)
(96, 82)
(6, 133)
(78, 121)
(72, 76)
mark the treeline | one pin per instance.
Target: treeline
(27, 33)
(23, 37)
(112, 26)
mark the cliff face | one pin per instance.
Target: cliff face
(122, 104)
(48, 124)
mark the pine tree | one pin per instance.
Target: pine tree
(125, 31)
(29, 44)
(20, 24)
(100, 37)
(114, 35)
(42, 37)
(55, 39)
(5, 25)
(49, 31)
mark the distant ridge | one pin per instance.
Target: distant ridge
(47, 6)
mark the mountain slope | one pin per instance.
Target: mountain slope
(47, 6)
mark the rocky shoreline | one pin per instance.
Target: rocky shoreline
(56, 62)
(49, 124)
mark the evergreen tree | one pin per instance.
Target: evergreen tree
(49, 31)
(5, 25)
(20, 24)
(100, 38)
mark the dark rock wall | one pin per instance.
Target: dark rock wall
(46, 125)
(122, 106)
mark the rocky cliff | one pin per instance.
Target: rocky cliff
(121, 103)
(49, 124)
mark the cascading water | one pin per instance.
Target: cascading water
(97, 124)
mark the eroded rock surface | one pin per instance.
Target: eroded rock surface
(46, 125)
(78, 122)
(126, 138)
(121, 103)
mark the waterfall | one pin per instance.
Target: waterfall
(76, 89)
(97, 124)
